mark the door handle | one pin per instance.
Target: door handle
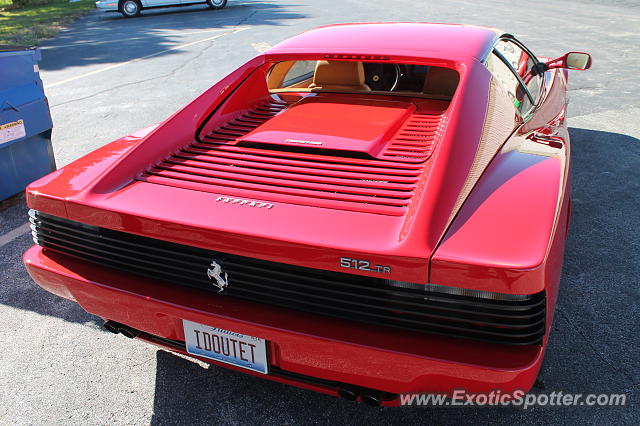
(552, 141)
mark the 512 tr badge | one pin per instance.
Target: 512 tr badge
(363, 265)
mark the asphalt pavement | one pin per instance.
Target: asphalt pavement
(107, 76)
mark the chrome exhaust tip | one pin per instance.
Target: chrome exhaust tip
(128, 332)
(370, 400)
(347, 394)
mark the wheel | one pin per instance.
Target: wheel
(217, 4)
(130, 8)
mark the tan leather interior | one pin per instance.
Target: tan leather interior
(339, 76)
(441, 82)
(277, 74)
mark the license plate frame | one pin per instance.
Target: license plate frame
(242, 350)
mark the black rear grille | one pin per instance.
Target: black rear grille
(508, 319)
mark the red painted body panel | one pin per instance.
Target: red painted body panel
(441, 41)
(507, 236)
(352, 126)
(527, 186)
(508, 253)
(390, 360)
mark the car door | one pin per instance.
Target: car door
(515, 67)
(154, 3)
(539, 94)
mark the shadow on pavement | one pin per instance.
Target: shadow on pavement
(186, 393)
(593, 344)
(17, 289)
(591, 348)
(101, 37)
(599, 294)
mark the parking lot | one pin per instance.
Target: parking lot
(107, 76)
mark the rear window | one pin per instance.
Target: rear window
(353, 76)
(300, 71)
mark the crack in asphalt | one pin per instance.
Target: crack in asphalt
(576, 89)
(133, 83)
(246, 18)
(210, 45)
(171, 73)
(188, 61)
(84, 98)
(623, 371)
(630, 388)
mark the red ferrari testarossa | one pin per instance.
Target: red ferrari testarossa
(363, 210)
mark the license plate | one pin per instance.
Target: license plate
(226, 346)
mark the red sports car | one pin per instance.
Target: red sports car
(364, 210)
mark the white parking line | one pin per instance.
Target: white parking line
(154, 35)
(261, 46)
(121, 64)
(12, 235)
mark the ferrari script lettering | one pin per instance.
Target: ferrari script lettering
(303, 142)
(243, 202)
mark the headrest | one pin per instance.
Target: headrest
(338, 73)
(441, 81)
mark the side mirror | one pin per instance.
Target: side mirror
(572, 60)
(578, 61)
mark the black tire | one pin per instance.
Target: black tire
(130, 8)
(217, 4)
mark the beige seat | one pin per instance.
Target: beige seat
(340, 76)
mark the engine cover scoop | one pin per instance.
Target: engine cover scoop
(353, 125)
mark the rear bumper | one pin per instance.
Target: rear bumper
(300, 344)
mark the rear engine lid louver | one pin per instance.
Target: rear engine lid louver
(329, 179)
(416, 139)
(247, 122)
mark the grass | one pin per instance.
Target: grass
(33, 24)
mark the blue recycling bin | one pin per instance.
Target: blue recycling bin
(25, 122)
